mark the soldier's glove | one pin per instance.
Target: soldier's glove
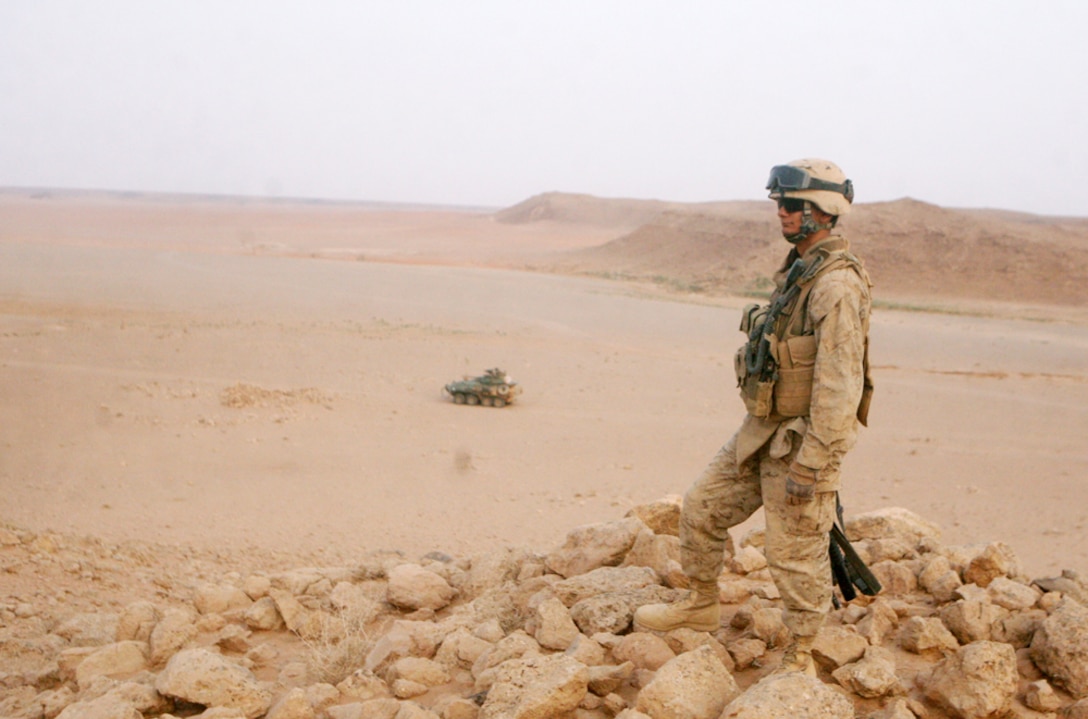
(800, 484)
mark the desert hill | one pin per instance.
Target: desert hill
(914, 250)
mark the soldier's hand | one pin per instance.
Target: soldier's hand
(800, 484)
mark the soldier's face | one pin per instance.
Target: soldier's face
(790, 220)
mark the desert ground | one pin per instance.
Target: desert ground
(244, 377)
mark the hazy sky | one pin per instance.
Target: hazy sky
(965, 103)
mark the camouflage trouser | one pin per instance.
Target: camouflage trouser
(796, 541)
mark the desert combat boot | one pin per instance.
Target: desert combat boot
(798, 657)
(699, 610)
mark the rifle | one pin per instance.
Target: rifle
(847, 568)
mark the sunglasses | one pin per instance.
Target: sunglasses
(791, 204)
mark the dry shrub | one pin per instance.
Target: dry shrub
(340, 645)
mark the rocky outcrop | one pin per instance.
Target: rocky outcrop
(958, 632)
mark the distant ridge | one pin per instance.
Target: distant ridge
(911, 248)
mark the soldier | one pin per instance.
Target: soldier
(804, 378)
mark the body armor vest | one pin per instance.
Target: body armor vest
(775, 367)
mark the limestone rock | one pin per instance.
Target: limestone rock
(892, 522)
(896, 578)
(659, 552)
(872, 676)
(644, 650)
(536, 687)
(940, 579)
(1040, 696)
(556, 629)
(662, 516)
(1076, 710)
(594, 545)
(292, 705)
(1069, 583)
(104, 707)
(927, 634)
(173, 632)
(1060, 647)
(404, 639)
(996, 560)
(220, 599)
(603, 580)
(971, 620)
(461, 649)
(747, 651)
(413, 587)
(613, 612)
(880, 621)
(979, 680)
(202, 677)
(136, 622)
(263, 615)
(1012, 595)
(89, 629)
(605, 678)
(112, 660)
(790, 696)
(427, 672)
(836, 646)
(693, 685)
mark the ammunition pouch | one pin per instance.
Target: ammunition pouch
(796, 367)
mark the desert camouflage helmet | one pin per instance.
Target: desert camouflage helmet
(821, 182)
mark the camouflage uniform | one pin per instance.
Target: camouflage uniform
(751, 469)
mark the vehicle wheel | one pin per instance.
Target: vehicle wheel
(487, 401)
(500, 402)
(472, 399)
(458, 398)
(504, 389)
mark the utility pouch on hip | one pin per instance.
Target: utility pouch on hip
(758, 396)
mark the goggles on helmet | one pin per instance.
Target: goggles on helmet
(786, 178)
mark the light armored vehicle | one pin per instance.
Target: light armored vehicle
(493, 388)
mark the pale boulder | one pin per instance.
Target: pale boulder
(292, 705)
(644, 650)
(172, 633)
(693, 685)
(203, 677)
(413, 587)
(263, 615)
(892, 522)
(922, 635)
(790, 696)
(1060, 647)
(1012, 595)
(136, 622)
(995, 560)
(536, 687)
(979, 680)
(662, 516)
(971, 620)
(220, 599)
(556, 630)
(112, 660)
(872, 676)
(594, 545)
(836, 646)
(939, 579)
(92, 629)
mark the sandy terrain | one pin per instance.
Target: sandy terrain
(215, 375)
